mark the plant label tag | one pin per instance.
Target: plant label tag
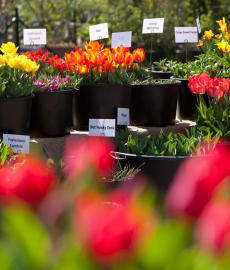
(153, 26)
(98, 31)
(34, 36)
(198, 25)
(186, 34)
(123, 116)
(121, 39)
(102, 127)
(19, 143)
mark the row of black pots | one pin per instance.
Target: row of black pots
(48, 113)
(52, 111)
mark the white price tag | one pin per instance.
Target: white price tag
(19, 143)
(34, 36)
(186, 34)
(98, 31)
(123, 116)
(102, 127)
(153, 26)
(121, 39)
(198, 25)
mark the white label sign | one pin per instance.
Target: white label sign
(102, 127)
(123, 116)
(19, 143)
(153, 26)
(198, 25)
(98, 31)
(122, 39)
(34, 36)
(186, 34)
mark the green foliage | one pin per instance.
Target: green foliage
(165, 144)
(215, 118)
(4, 153)
(164, 65)
(15, 83)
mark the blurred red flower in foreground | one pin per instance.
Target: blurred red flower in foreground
(213, 227)
(111, 229)
(90, 152)
(30, 181)
(196, 181)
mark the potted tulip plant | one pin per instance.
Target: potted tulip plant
(159, 157)
(104, 81)
(156, 100)
(52, 105)
(161, 70)
(16, 90)
(214, 116)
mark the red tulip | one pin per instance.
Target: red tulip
(203, 79)
(195, 86)
(30, 182)
(213, 227)
(196, 181)
(109, 230)
(224, 85)
(89, 153)
(213, 88)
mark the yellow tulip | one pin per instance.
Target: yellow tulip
(201, 43)
(208, 34)
(9, 48)
(2, 60)
(218, 36)
(223, 28)
(222, 45)
(222, 22)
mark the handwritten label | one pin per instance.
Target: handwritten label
(186, 34)
(98, 31)
(122, 39)
(198, 25)
(123, 116)
(102, 127)
(19, 143)
(153, 26)
(34, 36)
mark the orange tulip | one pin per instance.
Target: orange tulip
(119, 58)
(128, 59)
(94, 45)
(120, 50)
(139, 55)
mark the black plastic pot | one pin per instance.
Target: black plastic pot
(155, 74)
(99, 101)
(186, 104)
(52, 113)
(154, 105)
(15, 115)
(159, 170)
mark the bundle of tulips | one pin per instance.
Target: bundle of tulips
(44, 58)
(214, 117)
(199, 84)
(98, 65)
(15, 73)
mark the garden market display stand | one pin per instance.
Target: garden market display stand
(54, 147)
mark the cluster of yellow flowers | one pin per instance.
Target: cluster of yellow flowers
(223, 38)
(14, 60)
